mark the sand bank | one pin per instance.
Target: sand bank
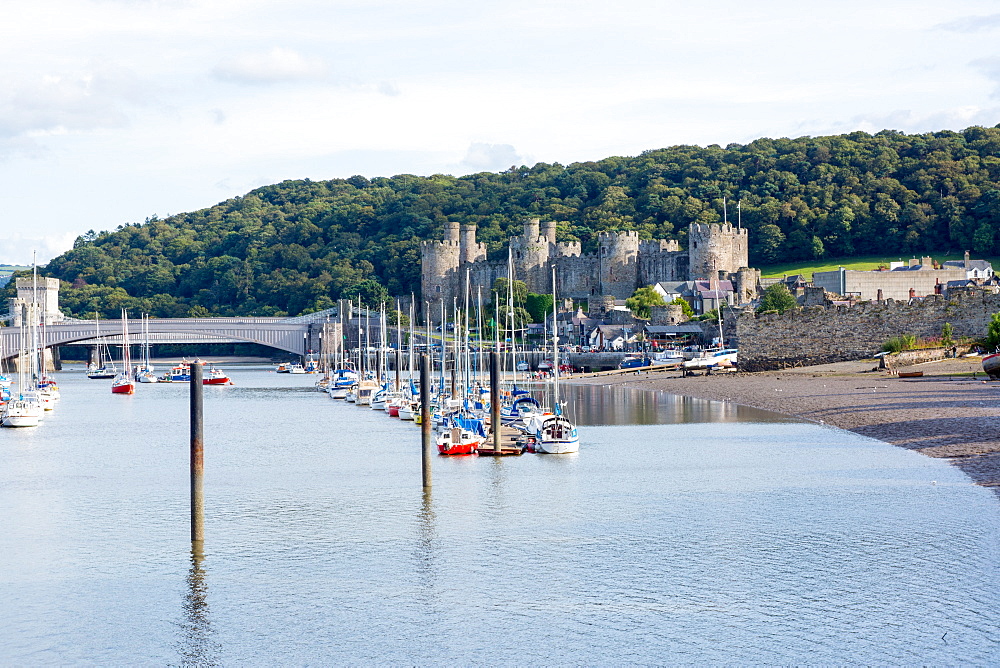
(946, 413)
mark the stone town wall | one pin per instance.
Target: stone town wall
(823, 334)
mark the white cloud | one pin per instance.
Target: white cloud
(968, 24)
(279, 65)
(101, 97)
(16, 248)
(491, 157)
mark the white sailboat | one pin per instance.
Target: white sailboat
(555, 434)
(22, 410)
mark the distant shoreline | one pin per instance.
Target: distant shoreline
(944, 414)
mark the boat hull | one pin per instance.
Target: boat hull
(991, 365)
(124, 388)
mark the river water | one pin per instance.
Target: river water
(684, 531)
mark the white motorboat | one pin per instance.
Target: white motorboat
(21, 413)
(713, 359)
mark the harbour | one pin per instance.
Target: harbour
(684, 530)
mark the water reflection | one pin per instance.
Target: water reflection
(197, 647)
(619, 405)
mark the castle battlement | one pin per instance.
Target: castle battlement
(621, 264)
(441, 244)
(711, 229)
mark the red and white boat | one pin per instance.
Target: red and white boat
(215, 376)
(460, 436)
(991, 365)
(123, 383)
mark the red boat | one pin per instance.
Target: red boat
(122, 384)
(457, 438)
(215, 377)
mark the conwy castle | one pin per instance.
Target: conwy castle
(622, 264)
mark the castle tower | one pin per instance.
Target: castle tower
(619, 263)
(716, 248)
(530, 253)
(44, 294)
(439, 266)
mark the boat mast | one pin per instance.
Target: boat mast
(444, 359)
(409, 347)
(510, 316)
(555, 346)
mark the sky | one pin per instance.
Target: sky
(112, 111)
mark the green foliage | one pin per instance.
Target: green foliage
(947, 335)
(993, 333)
(685, 307)
(538, 306)
(900, 343)
(776, 298)
(641, 302)
(297, 246)
(500, 288)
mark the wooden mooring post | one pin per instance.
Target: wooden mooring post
(425, 417)
(197, 455)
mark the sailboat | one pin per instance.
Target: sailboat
(555, 434)
(144, 372)
(100, 371)
(25, 410)
(123, 383)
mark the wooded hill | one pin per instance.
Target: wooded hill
(297, 246)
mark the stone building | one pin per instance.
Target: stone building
(622, 263)
(916, 278)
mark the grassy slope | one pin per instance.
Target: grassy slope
(865, 263)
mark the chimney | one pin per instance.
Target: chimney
(966, 259)
(878, 296)
(913, 262)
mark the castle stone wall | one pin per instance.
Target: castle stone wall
(823, 334)
(622, 264)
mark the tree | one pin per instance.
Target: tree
(947, 335)
(642, 301)
(539, 306)
(501, 286)
(770, 243)
(685, 307)
(776, 298)
(993, 333)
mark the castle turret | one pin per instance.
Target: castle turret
(549, 231)
(531, 229)
(716, 248)
(470, 251)
(451, 231)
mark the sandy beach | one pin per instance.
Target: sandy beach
(946, 413)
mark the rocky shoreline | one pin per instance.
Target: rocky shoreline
(946, 413)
